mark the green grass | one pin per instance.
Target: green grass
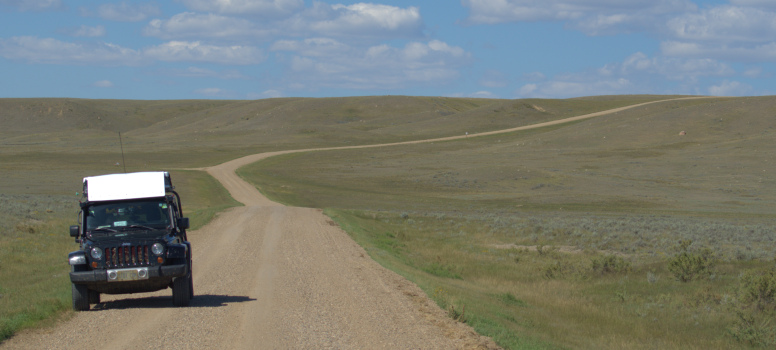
(608, 164)
(508, 294)
(33, 248)
(445, 215)
(202, 196)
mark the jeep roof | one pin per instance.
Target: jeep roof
(127, 186)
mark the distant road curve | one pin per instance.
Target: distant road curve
(248, 195)
(269, 276)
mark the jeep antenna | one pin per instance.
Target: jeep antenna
(122, 154)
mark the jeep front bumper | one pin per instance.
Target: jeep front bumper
(149, 273)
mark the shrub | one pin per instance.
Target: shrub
(547, 250)
(459, 316)
(758, 289)
(444, 301)
(688, 266)
(756, 309)
(561, 268)
(753, 330)
(611, 264)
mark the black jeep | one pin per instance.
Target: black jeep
(130, 241)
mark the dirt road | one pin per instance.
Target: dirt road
(268, 276)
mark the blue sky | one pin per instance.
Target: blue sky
(251, 49)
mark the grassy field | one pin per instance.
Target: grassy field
(562, 237)
(48, 145)
(570, 236)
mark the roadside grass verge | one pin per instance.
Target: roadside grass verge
(202, 196)
(34, 243)
(548, 297)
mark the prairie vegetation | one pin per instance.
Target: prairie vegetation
(615, 232)
(561, 237)
(33, 245)
(48, 145)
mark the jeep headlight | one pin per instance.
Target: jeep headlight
(96, 253)
(77, 259)
(157, 249)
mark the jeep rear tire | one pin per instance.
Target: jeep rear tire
(181, 290)
(80, 297)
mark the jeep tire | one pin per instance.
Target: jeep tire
(80, 297)
(191, 284)
(181, 290)
(94, 297)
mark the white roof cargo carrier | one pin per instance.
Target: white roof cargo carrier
(127, 186)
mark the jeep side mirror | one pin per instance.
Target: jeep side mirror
(74, 230)
(183, 223)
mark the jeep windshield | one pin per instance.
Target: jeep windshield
(127, 217)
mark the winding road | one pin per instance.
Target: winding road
(267, 276)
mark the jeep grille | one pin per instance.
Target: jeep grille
(127, 256)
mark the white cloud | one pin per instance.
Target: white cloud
(733, 33)
(741, 53)
(188, 51)
(636, 74)
(328, 62)
(483, 94)
(668, 67)
(754, 72)
(34, 5)
(730, 88)
(103, 84)
(272, 93)
(196, 72)
(570, 87)
(313, 47)
(755, 3)
(194, 25)
(359, 22)
(212, 92)
(602, 24)
(127, 12)
(53, 51)
(725, 24)
(85, 31)
(528, 90)
(261, 8)
(594, 17)
(363, 20)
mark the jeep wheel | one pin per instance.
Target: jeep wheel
(191, 286)
(80, 297)
(94, 297)
(181, 290)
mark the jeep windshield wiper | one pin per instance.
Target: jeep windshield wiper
(103, 229)
(143, 227)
